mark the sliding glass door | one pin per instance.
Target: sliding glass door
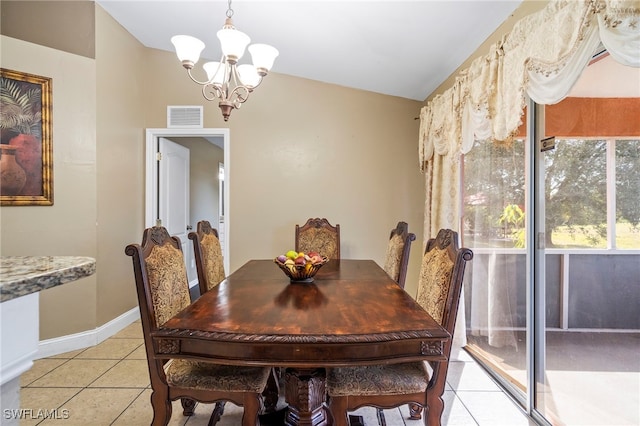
(552, 296)
(495, 281)
(592, 255)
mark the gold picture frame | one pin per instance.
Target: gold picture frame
(26, 152)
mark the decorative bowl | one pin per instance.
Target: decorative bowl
(301, 273)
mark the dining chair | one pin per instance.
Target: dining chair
(398, 249)
(393, 385)
(163, 291)
(320, 236)
(208, 256)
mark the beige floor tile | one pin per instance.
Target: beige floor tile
(95, 407)
(392, 416)
(469, 376)
(38, 403)
(404, 413)
(39, 369)
(75, 373)
(138, 413)
(133, 373)
(177, 418)
(454, 414)
(139, 353)
(493, 409)
(29, 420)
(133, 330)
(68, 355)
(111, 349)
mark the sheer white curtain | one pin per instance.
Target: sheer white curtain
(493, 216)
(541, 58)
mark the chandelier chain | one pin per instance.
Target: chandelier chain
(229, 10)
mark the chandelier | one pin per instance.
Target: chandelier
(227, 81)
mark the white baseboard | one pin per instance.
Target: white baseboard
(16, 367)
(84, 339)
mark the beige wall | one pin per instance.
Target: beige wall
(298, 149)
(62, 25)
(69, 226)
(120, 75)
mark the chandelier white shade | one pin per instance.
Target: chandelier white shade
(233, 43)
(227, 82)
(188, 48)
(263, 56)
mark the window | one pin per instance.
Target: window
(583, 210)
(627, 188)
(494, 185)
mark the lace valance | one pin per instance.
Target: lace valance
(541, 58)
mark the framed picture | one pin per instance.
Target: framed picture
(26, 154)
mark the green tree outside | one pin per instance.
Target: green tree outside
(575, 192)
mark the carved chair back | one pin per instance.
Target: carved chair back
(398, 249)
(393, 385)
(163, 291)
(320, 236)
(208, 256)
(439, 290)
(161, 277)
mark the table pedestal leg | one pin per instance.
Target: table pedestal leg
(271, 391)
(305, 394)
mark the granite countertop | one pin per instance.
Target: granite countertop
(22, 275)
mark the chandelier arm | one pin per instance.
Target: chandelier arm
(251, 89)
(239, 94)
(201, 83)
(257, 84)
(215, 89)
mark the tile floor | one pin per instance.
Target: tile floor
(108, 384)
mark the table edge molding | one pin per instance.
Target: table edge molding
(167, 333)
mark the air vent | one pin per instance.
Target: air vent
(184, 116)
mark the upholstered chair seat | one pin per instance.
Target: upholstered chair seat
(378, 380)
(190, 374)
(392, 385)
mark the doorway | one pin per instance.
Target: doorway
(153, 199)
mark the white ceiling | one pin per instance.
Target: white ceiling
(393, 47)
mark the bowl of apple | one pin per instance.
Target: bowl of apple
(299, 266)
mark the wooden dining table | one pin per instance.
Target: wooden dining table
(353, 313)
